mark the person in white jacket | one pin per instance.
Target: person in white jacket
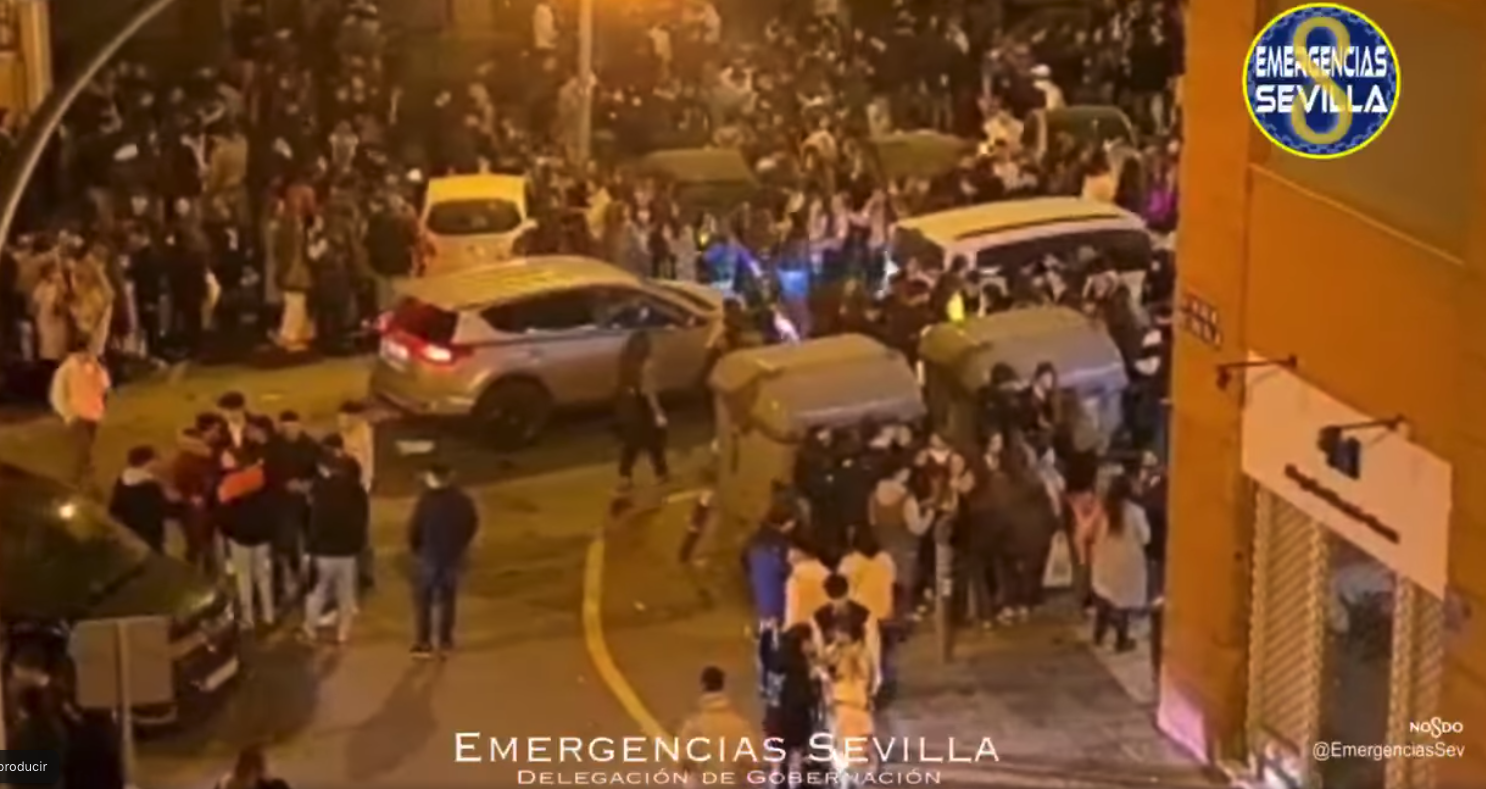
(805, 591)
(78, 394)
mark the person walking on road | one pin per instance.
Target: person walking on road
(1118, 569)
(718, 723)
(640, 418)
(443, 526)
(79, 393)
(340, 518)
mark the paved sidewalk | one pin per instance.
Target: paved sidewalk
(1050, 705)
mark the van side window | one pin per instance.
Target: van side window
(546, 313)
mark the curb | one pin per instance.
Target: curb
(1072, 772)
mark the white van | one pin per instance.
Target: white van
(1001, 236)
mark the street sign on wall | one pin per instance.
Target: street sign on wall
(1199, 318)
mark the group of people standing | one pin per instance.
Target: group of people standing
(287, 516)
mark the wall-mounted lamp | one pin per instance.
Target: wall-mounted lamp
(1343, 452)
(1225, 371)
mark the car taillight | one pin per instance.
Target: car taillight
(441, 354)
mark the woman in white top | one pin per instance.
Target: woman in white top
(1118, 565)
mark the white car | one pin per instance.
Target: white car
(470, 220)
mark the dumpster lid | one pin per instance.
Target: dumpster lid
(831, 382)
(1079, 347)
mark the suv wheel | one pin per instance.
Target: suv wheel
(514, 413)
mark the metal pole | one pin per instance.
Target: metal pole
(944, 586)
(585, 81)
(49, 115)
(126, 704)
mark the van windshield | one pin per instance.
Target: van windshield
(473, 217)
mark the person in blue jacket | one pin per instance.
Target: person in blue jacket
(766, 566)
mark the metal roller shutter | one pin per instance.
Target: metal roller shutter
(1287, 634)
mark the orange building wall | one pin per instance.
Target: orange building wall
(1379, 320)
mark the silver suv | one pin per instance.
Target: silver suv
(513, 342)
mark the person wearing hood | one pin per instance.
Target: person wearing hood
(440, 532)
(340, 516)
(805, 591)
(140, 500)
(1145, 399)
(899, 523)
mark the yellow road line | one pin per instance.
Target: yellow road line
(598, 646)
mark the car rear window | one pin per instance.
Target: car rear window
(473, 217)
(424, 321)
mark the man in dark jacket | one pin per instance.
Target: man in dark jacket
(139, 500)
(340, 518)
(244, 516)
(443, 525)
(290, 468)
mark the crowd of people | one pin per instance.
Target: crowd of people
(271, 198)
(1031, 511)
(272, 195)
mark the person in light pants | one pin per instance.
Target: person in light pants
(340, 515)
(242, 510)
(252, 569)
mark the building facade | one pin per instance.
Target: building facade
(1311, 601)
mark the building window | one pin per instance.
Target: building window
(1419, 175)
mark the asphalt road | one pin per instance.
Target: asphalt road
(366, 714)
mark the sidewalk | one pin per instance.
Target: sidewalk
(1049, 704)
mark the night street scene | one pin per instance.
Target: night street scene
(742, 393)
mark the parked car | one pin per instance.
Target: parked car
(471, 220)
(511, 344)
(64, 560)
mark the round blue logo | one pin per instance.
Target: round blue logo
(1321, 81)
